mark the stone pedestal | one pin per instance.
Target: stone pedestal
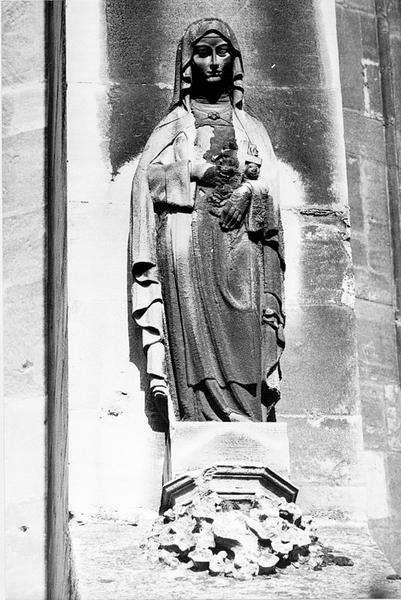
(199, 445)
(240, 484)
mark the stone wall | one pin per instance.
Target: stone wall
(24, 296)
(372, 247)
(292, 84)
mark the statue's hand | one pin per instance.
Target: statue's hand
(231, 216)
(235, 208)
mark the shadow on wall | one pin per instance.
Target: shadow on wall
(285, 76)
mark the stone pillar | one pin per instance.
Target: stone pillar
(369, 167)
(24, 296)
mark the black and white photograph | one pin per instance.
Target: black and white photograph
(201, 233)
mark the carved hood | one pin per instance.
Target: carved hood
(183, 70)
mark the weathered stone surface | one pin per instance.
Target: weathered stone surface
(25, 558)
(24, 250)
(392, 395)
(136, 118)
(362, 5)
(377, 501)
(370, 234)
(23, 109)
(109, 564)
(373, 190)
(393, 468)
(373, 105)
(396, 61)
(364, 136)
(319, 362)
(23, 173)
(24, 440)
(350, 50)
(23, 75)
(23, 41)
(374, 193)
(304, 134)
(354, 194)
(369, 37)
(386, 533)
(317, 255)
(334, 451)
(376, 342)
(379, 249)
(341, 502)
(24, 351)
(390, 534)
(394, 12)
(25, 518)
(369, 204)
(372, 286)
(359, 257)
(276, 34)
(104, 435)
(372, 90)
(373, 415)
(200, 445)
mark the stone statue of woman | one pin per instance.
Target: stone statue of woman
(206, 242)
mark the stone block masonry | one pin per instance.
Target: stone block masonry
(24, 219)
(372, 250)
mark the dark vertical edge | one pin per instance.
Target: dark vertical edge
(392, 159)
(58, 547)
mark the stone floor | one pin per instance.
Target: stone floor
(110, 566)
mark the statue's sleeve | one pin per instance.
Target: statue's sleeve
(170, 184)
(169, 178)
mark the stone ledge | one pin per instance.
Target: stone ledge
(110, 565)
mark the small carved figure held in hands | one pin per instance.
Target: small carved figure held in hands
(206, 242)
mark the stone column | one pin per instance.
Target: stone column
(371, 88)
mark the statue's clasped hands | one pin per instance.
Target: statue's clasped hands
(235, 205)
(235, 208)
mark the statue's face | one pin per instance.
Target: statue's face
(212, 59)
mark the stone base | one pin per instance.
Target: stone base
(239, 484)
(198, 445)
(110, 565)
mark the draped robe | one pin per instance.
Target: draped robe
(199, 293)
